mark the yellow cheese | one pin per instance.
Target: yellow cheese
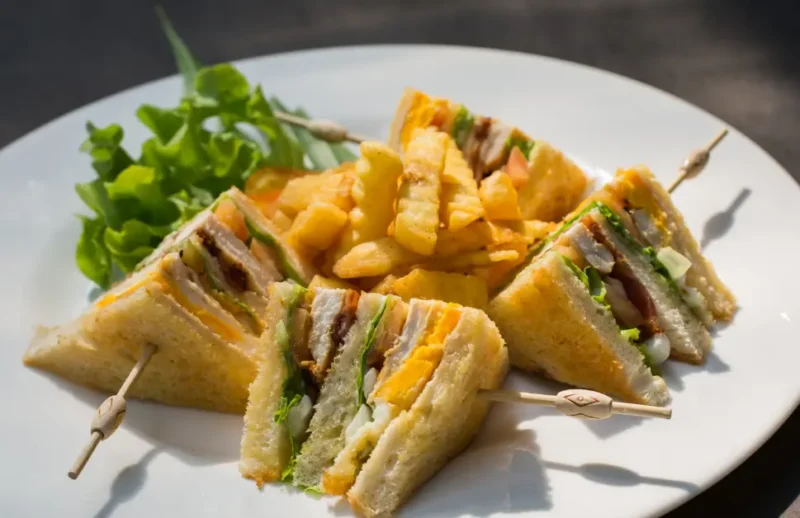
(630, 187)
(424, 112)
(403, 387)
(212, 322)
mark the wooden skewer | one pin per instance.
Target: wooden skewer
(110, 414)
(697, 161)
(578, 403)
(328, 131)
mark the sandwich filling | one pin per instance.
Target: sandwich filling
(612, 283)
(384, 397)
(650, 223)
(485, 142)
(311, 333)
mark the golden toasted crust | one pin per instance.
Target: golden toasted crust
(442, 421)
(192, 366)
(265, 448)
(550, 323)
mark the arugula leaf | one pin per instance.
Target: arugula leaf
(372, 332)
(525, 145)
(92, 256)
(104, 145)
(184, 60)
(590, 278)
(162, 122)
(198, 149)
(462, 125)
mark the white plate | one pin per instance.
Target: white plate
(177, 462)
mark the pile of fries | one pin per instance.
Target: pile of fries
(417, 226)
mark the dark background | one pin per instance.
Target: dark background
(735, 59)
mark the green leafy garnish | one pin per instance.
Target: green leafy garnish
(184, 60)
(525, 145)
(462, 125)
(294, 386)
(631, 335)
(221, 132)
(372, 332)
(590, 278)
(283, 256)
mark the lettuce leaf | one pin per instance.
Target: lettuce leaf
(525, 145)
(372, 333)
(294, 386)
(590, 278)
(462, 125)
(220, 132)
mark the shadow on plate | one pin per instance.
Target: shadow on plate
(499, 472)
(611, 475)
(720, 223)
(127, 484)
(195, 437)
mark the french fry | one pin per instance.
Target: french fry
(473, 237)
(329, 282)
(271, 179)
(281, 220)
(496, 273)
(499, 197)
(467, 290)
(417, 219)
(460, 203)
(336, 190)
(469, 260)
(374, 190)
(298, 193)
(373, 259)
(536, 230)
(385, 286)
(318, 225)
(555, 185)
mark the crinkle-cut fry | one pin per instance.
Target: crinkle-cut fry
(318, 225)
(374, 259)
(505, 232)
(329, 282)
(281, 220)
(473, 237)
(469, 260)
(495, 273)
(417, 220)
(460, 203)
(536, 230)
(374, 191)
(298, 193)
(499, 197)
(385, 285)
(332, 186)
(464, 289)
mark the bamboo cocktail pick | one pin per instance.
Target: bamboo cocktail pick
(697, 161)
(328, 131)
(578, 403)
(110, 414)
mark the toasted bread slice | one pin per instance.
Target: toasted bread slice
(441, 422)
(552, 325)
(203, 358)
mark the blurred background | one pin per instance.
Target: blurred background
(734, 58)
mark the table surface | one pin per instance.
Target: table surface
(735, 59)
